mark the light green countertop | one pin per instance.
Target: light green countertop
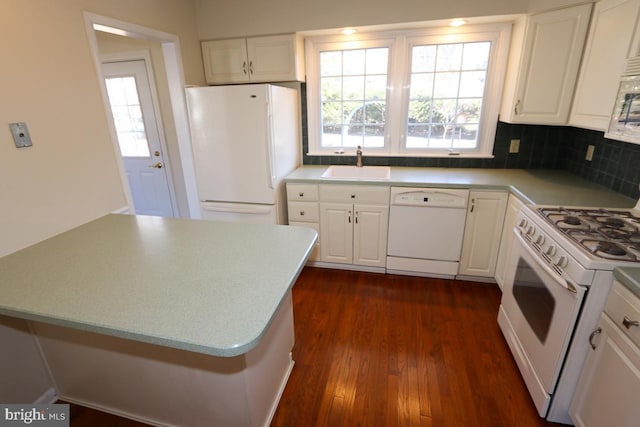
(201, 286)
(629, 277)
(542, 187)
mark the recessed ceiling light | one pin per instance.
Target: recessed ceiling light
(348, 31)
(457, 23)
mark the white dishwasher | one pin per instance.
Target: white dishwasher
(426, 226)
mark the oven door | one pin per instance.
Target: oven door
(538, 311)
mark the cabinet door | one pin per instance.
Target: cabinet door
(272, 58)
(607, 393)
(614, 36)
(548, 67)
(370, 235)
(336, 232)
(510, 217)
(225, 61)
(482, 233)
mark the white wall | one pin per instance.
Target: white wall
(48, 80)
(219, 19)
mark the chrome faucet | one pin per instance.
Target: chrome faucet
(359, 157)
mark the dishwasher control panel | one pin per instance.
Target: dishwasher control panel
(431, 197)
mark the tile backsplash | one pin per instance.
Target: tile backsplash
(615, 164)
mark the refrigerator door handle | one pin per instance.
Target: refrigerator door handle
(271, 167)
(259, 210)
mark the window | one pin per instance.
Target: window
(433, 92)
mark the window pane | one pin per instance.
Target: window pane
(446, 85)
(353, 88)
(127, 116)
(449, 57)
(353, 62)
(377, 61)
(423, 59)
(376, 87)
(353, 99)
(472, 83)
(476, 56)
(422, 85)
(331, 63)
(331, 88)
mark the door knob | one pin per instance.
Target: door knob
(157, 165)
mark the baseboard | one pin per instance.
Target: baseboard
(49, 396)
(351, 267)
(123, 210)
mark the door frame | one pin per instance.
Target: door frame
(175, 76)
(145, 56)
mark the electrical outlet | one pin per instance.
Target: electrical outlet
(20, 134)
(514, 147)
(590, 151)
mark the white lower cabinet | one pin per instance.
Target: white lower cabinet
(513, 207)
(303, 210)
(352, 232)
(482, 233)
(607, 393)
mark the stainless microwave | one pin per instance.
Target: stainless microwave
(625, 118)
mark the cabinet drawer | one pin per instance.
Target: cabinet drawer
(624, 308)
(371, 194)
(302, 192)
(303, 211)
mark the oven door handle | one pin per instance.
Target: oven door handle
(559, 279)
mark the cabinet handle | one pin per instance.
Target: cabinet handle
(349, 217)
(473, 205)
(250, 67)
(301, 194)
(244, 67)
(301, 213)
(356, 217)
(593, 335)
(628, 323)
(515, 109)
(353, 196)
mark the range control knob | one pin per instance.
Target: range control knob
(540, 240)
(562, 261)
(551, 250)
(522, 223)
(531, 230)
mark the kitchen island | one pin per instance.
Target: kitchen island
(172, 322)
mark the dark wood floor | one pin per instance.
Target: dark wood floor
(383, 350)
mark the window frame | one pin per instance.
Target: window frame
(400, 43)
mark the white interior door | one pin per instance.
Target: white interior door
(134, 116)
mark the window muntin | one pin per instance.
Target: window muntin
(353, 96)
(479, 53)
(446, 92)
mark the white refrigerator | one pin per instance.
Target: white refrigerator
(246, 139)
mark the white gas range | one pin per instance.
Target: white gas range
(558, 277)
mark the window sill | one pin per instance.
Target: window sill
(404, 155)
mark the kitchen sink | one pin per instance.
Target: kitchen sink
(353, 172)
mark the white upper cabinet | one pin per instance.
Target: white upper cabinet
(543, 66)
(614, 35)
(254, 59)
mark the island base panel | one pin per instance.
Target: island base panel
(169, 387)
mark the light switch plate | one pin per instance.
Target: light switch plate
(590, 150)
(20, 134)
(514, 146)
